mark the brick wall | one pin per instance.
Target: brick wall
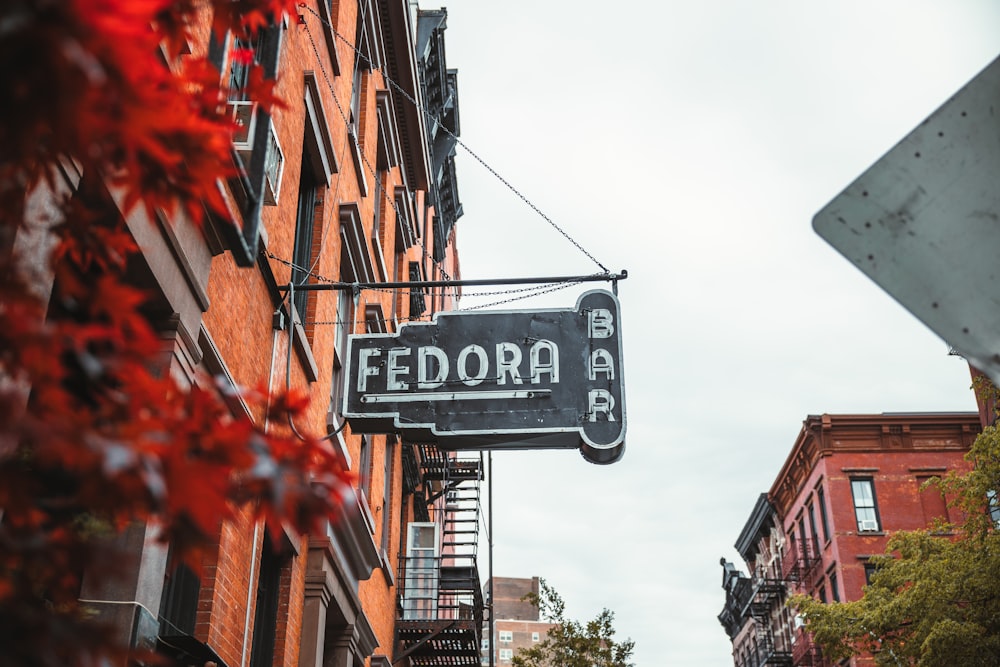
(239, 322)
(897, 453)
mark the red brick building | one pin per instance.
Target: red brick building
(350, 183)
(849, 482)
(516, 623)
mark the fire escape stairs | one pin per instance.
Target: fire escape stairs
(800, 563)
(768, 596)
(447, 631)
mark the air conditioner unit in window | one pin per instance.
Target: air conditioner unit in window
(242, 113)
(868, 525)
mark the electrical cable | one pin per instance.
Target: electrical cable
(379, 188)
(423, 109)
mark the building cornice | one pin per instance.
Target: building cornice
(825, 435)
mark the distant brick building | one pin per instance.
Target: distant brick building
(849, 482)
(516, 621)
(353, 181)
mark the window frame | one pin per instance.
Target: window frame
(811, 513)
(870, 482)
(304, 248)
(823, 518)
(870, 569)
(993, 507)
(834, 584)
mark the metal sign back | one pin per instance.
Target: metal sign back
(924, 221)
(516, 379)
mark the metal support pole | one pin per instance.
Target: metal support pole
(492, 625)
(324, 287)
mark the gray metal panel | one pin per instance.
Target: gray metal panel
(924, 221)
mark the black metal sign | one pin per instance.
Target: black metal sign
(516, 379)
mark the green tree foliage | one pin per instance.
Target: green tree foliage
(934, 599)
(571, 644)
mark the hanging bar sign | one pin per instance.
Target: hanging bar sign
(515, 379)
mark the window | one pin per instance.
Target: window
(812, 525)
(534, 636)
(179, 604)
(420, 582)
(390, 471)
(869, 571)
(303, 253)
(261, 50)
(417, 303)
(506, 654)
(994, 506)
(239, 73)
(506, 636)
(807, 549)
(266, 616)
(822, 592)
(365, 467)
(355, 116)
(346, 306)
(865, 508)
(834, 590)
(362, 63)
(821, 501)
(377, 232)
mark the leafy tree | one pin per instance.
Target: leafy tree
(94, 433)
(570, 644)
(934, 599)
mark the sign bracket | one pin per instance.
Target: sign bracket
(482, 282)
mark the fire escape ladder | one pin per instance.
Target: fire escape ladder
(441, 600)
(768, 596)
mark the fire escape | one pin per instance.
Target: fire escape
(799, 564)
(439, 593)
(765, 601)
(805, 653)
(799, 567)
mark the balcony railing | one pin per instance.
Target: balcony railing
(799, 561)
(805, 653)
(441, 610)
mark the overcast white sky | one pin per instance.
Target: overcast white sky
(691, 143)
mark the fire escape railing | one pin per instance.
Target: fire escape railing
(805, 653)
(440, 599)
(799, 562)
(764, 605)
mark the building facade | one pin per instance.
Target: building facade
(516, 621)
(848, 484)
(353, 181)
